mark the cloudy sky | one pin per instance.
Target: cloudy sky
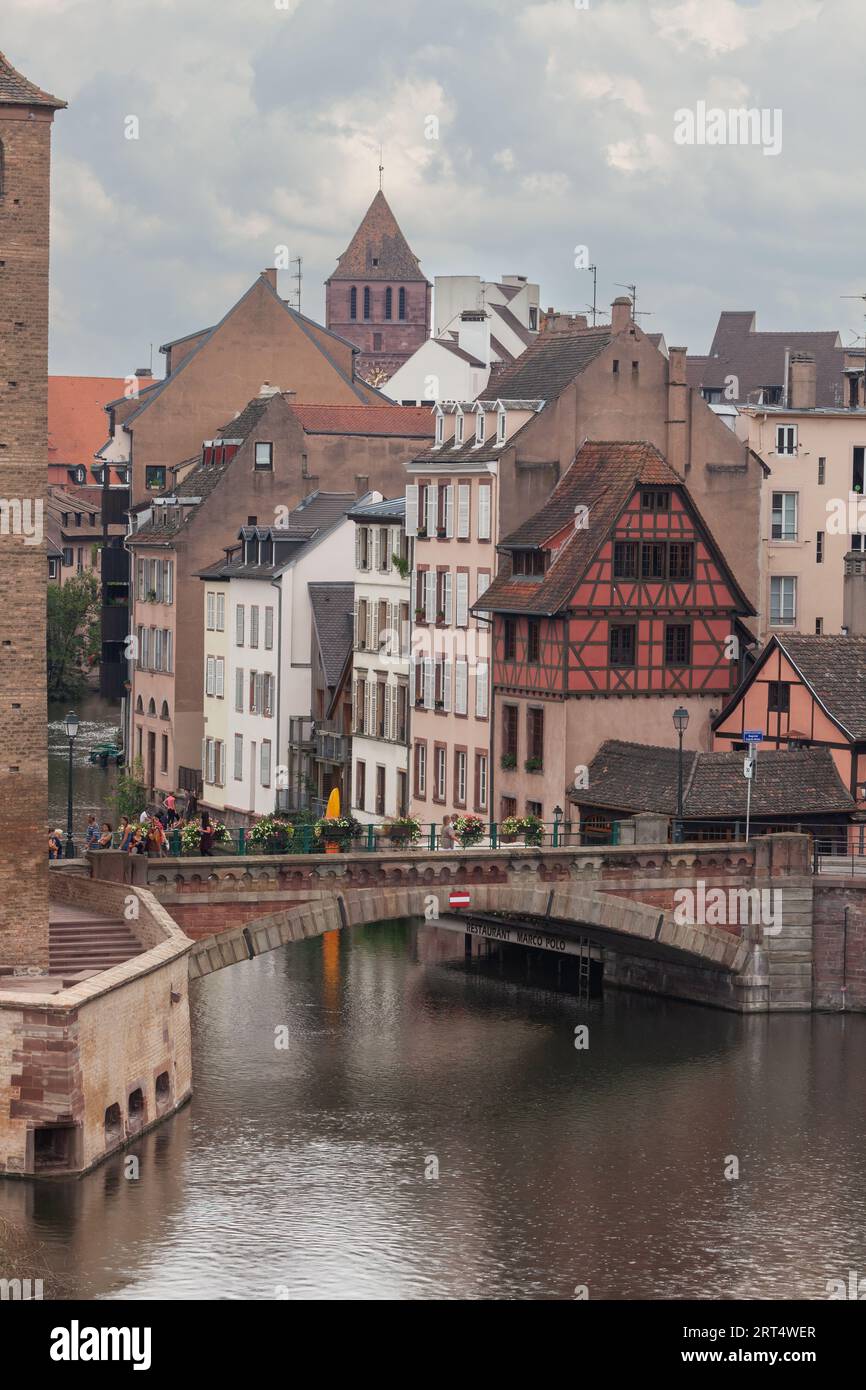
(260, 123)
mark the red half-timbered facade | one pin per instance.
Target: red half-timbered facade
(613, 605)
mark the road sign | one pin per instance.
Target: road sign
(460, 898)
(753, 736)
(748, 767)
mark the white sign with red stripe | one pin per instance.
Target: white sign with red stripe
(459, 898)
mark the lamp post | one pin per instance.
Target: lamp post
(557, 817)
(681, 723)
(71, 722)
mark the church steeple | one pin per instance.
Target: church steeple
(378, 297)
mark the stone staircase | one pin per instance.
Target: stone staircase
(80, 940)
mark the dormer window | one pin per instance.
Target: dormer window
(458, 429)
(479, 427)
(440, 428)
(532, 563)
(501, 427)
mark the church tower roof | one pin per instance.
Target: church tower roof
(378, 250)
(16, 90)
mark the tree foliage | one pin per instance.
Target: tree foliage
(130, 796)
(73, 634)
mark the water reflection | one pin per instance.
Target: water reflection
(301, 1172)
(93, 786)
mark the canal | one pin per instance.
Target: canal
(92, 786)
(376, 1117)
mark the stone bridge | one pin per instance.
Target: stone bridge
(622, 899)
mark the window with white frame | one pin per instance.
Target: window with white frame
(440, 428)
(210, 621)
(411, 497)
(481, 780)
(461, 686)
(458, 429)
(783, 600)
(239, 691)
(239, 625)
(481, 698)
(239, 757)
(441, 773)
(254, 625)
(784, 516)
(210, 676)
(220, 612)
(786, 439)
(462, 614)
(264, 457)
(420, 769)
(269, 628)
(464, 494)
(219, 678)
(479, 427)
(501, 426)
(484, 512)
(265, 752)
(460, 778)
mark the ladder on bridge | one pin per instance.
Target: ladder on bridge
(584, 968)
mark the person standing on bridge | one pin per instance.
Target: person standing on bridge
(207, 835)
(446, 834)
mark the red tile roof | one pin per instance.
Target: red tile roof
(77, 422)
(17, 90)
(403, 421)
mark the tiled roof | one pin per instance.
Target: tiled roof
(401, 421)
(389, 509)
(757, 359)
(17, 90)
(549, 363)
(513, 322)
(332, 607)
(602, 477)
(306, 522)
(70, 501)
(77, 423)
(631, 777)
(378, 238)
(835, 669)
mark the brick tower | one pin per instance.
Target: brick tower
(26, 114)
(377, 297)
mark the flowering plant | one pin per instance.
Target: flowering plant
(403, 830)
(468, 829)
(270, 835)
(339, 830)
(190, 836)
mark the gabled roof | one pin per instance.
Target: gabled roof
(401, 421)
(549, 363)
(18, 90)
(69, 501)
(390, 509)
(833, 668)
(631, 777)
(307, 524)
(332, 606)
(76, 415)
(602, 478)
(757, 359)
(379, 239)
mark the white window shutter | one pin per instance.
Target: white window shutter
(430, 595)
(462, 598)
(446, 685)
(389, 710)
(221, 775)
(373, 548)
(357, 638)
(357, 546)
(461, 681)
(372, 644)
(411, 523)
(481, 690)
(484, 512)
(219, 687)
(432, 508)
(204, 758)
(447, 585)
(210, 608)
(464, 491)
(429, 683)
(449, 510)
(208, 680)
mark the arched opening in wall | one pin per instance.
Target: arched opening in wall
(113, 1124)
(151, 708)
(402, 304)
(54, 1147)
(163, 1090)
(367, 302)
(163, 714)
(389, 302)
(135, 1108)
(353, 303)
(139, 706)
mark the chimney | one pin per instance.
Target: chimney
(803, 383)
(142, 371)
(854, 594)
(556, 322)
(473, 334)
(620, 314)
(678, 394)
(270, 274)
(266, 389)
(362, 484)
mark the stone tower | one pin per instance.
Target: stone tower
(26, 114)
(377, 297)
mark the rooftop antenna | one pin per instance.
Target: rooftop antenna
(381, 168)
(298, 261)
(592, 306)
(644, 313)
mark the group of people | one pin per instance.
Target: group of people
(147, 835)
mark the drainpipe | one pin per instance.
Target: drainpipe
(277, 584)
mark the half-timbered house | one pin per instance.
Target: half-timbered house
(613, 605)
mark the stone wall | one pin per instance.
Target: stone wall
(840, 944)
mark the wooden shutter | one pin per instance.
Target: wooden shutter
(429, 683)
(484, 512)
(449, 510)
(220, 668)
(411, 524)
(209, 677)
(462, 598)
(430, 595)
(461, 685)
(432, 494)
(464, 492)
(481, 690)
(446, 684)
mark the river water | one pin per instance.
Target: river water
(92, 786)
(310, 1170)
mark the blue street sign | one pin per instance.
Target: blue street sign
(753, 736)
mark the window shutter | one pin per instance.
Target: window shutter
(481, 690)
(169, 650)
(464, 491)
(462, 598)
(220, 677)
(357, 546)
(389, 702)
(357, 638)
(449, 510)
(221, 775)
(269, 627)
(210, 608)
(411, 509)
(204, 758)
(260, 692)
(446, 685)
(429, 683)
(373, 551)
(461, 682)
(239, 691)
(169, 581)
(372, 644)
(430, 595)
(447, 585)
(208, 680)
(368, 701)
(432, 494)
(239, 625)
(483, 584)
(484, 512)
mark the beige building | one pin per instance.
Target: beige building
(813, 511)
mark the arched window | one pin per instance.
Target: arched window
(389, 298)
(353, 303)
(366, 301)
(402, 309)
(151, 708)
(163, 714)
(139, 706)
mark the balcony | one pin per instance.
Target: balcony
(330, 747)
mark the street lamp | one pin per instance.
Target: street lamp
(557, 817)
(71, 722)
(681, 723)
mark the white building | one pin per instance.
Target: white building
(476, 324)
(381, 662)
(266, 683)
